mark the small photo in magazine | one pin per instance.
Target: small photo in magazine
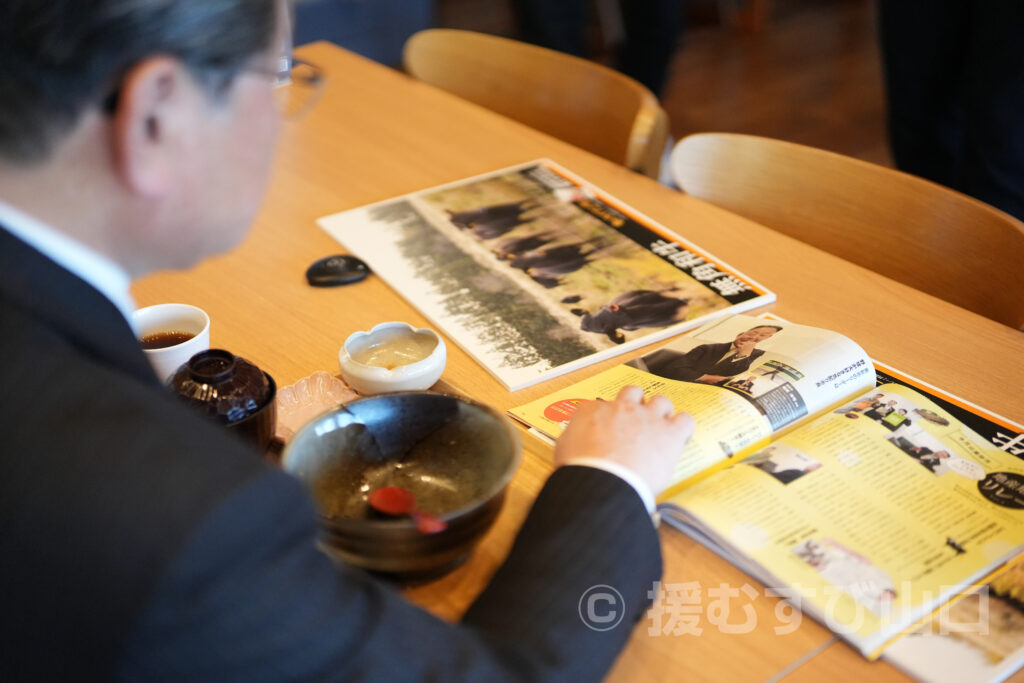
(849, 572)
(785, 463)
(764, 378)
(905, 423)
(888, 410)
(771, 374)
(727, 362)
(935, 456)
(891, 411)
(931, 416)
(747, 385)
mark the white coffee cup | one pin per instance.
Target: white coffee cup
(165, 318)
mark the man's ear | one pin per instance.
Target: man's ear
(155, 112)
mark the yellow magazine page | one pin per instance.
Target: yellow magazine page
(872, 515)
(741, 378)
(726, 423)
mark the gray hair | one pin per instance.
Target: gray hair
(60, 57)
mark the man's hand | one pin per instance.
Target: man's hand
(646, 437)
(712, 379)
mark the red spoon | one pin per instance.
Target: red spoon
(398, 502)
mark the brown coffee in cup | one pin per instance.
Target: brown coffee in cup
(168, 354)
(161, 340)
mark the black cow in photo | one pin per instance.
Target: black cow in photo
(632, 311)
(544, 280)
(492, 221)
(556, 260)
(546, 266)
(513, 246)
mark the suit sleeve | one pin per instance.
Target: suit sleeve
(681, 366)
(249, 597)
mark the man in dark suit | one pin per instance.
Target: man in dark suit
(138, 541)
(708, 363)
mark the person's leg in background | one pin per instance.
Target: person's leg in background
(993, 153)
(954, 75)
(557, 24)
(923, 43)
(652, 28)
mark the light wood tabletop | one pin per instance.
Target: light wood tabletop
(376, 134)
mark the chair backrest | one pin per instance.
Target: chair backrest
(909, 229)
(581, 102)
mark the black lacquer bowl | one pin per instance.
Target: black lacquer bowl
(457, 456)
(231, 391)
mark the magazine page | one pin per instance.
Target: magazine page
(534, 272)
(1001, 432)
(871, 515)
(741, 378)
(979, 638)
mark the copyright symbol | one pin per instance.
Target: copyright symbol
(601, 608)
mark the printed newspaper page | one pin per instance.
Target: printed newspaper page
(871, 515)
(534, 272)
(741, 378)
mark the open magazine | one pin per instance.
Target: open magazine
(869, 505)
(534, 272)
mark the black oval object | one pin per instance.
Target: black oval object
(332, 271)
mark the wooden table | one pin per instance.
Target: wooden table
(377, 134)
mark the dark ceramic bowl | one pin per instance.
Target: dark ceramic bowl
(457, 456)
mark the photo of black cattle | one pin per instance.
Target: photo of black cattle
(489, 222)
(562, 244)
(534, 270)
(632, 311)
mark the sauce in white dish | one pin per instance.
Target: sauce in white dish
(401, 349)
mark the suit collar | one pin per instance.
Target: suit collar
(69, 306)
(67, 252)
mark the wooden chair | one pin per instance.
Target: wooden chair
(581, 102)
(906, 228)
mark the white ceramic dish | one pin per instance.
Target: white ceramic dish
(375, 379)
